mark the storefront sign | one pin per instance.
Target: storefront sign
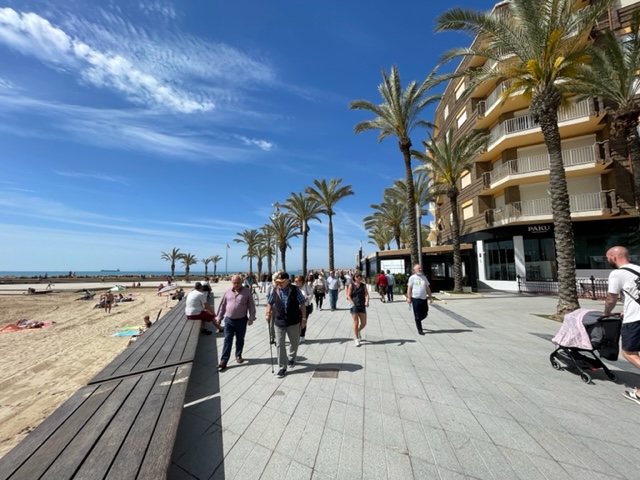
(539, 228)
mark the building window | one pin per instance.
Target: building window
(460, 89)
(462, 118)
(467, 211)
(465, 180)
(540, 259)
(446, 111)
(500, 260)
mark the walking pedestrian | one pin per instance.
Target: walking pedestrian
(382, 283)
(333, 284)
(308, 301)
(418, 291)
(391, 282)
(319, 291)
(238, 311)
(358, 297)
(288, 306)
(625, 281)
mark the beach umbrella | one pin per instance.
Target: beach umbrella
(117, 288)
(168, 288)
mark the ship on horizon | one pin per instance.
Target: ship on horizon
(116, 270)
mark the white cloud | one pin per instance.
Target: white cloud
(34, 35)
(95, 176)
(262, 144)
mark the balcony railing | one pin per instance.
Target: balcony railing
(526, 122)
(538, 163)
(519, 211)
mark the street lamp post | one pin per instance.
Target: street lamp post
(419, 232)
(226, 261)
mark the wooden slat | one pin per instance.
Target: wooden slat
(153, 350)
(19, 454)
(162, 409)
(96, 458)
(186, 344)
(85, 424)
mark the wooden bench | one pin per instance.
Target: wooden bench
(170, 341)
(123, 424)
(120, 429)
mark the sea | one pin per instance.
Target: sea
(112, 273)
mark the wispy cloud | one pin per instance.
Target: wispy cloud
(35, 36)
(94, 176)
(164, 9)
(262, 144)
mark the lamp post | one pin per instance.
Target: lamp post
(274, 216)
(419, 232)
(226, 262)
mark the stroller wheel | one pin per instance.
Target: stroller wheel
(612, 376)
(586, 378)
(556, 365)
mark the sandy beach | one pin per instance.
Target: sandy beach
(44, 367)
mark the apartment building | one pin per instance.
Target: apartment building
(504, 202)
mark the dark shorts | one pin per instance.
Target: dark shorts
(360, 309)
(203, 315)
(631, 336)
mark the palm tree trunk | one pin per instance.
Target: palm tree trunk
(633, 146)
(186, 274)
(547, 104)
(250, 265)
(455, 240)
(283, 257)
(304, 250)
(405, 147)
(331, 263)
(206, 270)
(269, 256)
(215, 268)
(259, 266)
(173, 270)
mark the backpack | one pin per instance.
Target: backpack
(637, 282)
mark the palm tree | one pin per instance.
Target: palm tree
(328, 195)
(397, 116)
(380, 236)
(541, 47)
(215, 259)
(266, 244)
(389, 213)
(303, 209)
(614, 76)
(206, 262)
(447, 160)
(188, 260)
(423, 193)
(172, 257)
(250, 239)
(284, 228)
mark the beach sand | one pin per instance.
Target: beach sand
(41, 368)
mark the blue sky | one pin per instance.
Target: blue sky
(137, 126)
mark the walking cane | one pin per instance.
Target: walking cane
(270, 345)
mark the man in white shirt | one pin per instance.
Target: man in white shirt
(625, 281)
(391, 282)
(333, 283)
(418, 291)
(197, 308)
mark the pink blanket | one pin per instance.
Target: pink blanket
(573, 333)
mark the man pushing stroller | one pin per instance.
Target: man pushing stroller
(625, 281)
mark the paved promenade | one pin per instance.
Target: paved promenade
(476, 398)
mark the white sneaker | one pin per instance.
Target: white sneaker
(357, 342)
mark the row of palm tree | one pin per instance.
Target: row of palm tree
(188, 260)
(545, 49)
(301, 208)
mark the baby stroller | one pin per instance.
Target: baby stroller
(583, 333)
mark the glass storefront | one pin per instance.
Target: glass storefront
(500, 260)
(540, 259)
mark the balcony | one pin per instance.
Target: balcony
(532, 168)
(515, 128)
(584, 205)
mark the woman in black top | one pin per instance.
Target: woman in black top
(358, 296)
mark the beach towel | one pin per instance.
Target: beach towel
(126, 333)
(22, 325)
(573, 332)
